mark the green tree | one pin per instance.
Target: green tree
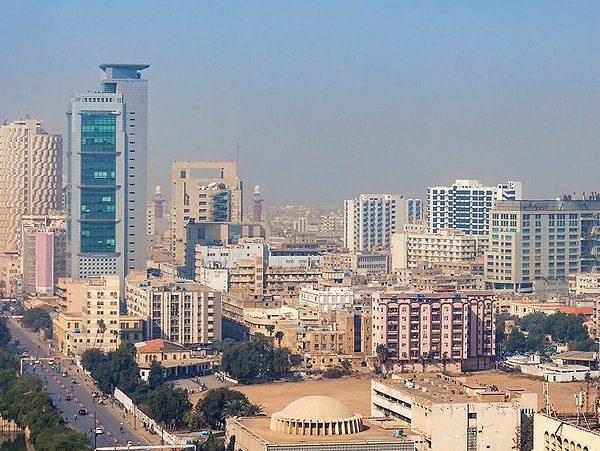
(36, 319)
(212, 405)
(382, 355)
(4, 331)
(156, 376)
(101, 329)
(270, 328)
(168, 404)
(279, 336)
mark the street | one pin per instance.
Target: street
(101, 422)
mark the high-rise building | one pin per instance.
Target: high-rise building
(466, 205)
(30, 176)
(419, 329)
(370, 220)
(537, 240)
(107, 164)
(202, 192)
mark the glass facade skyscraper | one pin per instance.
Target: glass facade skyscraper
(106, 184)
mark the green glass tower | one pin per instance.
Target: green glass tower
(106, 175)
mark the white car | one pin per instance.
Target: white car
(99, 431)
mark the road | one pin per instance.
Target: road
(107, 417)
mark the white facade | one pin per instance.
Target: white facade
(550, 434)
(219, 257)
(106, 180)
(327, 300)
(466, 205)
(101, 311)
(416, 246)
(448, 421)
(30, 176)
(541, 240)
(180, 311)
(370, 220)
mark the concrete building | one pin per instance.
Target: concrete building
(203, 192)
(43, 244)
(30, 175)
(325, 298)
(314, 423)
(451, 415)
(465, 205)
(415, 246)
(535, 241)
(553, 434)
(106, 182)
(437, 330)
(91, 318)
(176, 360)
(370, 220)
(178, 310)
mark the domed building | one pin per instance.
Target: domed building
(314, 422)
(316, 415)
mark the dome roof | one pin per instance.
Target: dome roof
(316, 408)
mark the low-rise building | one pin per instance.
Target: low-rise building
(451, 415)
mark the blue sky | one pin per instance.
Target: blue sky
(330, 99)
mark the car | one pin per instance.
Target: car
(73, 380)
(64, 374)
(98, 431)
(129, 443)
(68, 398)
(82, 411)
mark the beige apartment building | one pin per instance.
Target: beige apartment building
(415, 247)
(177, 310)
(30, 175)
(208, 192)
(91, 317)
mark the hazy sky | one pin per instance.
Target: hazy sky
(327, 100)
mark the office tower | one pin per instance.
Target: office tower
(30, 176)
(370, 220)
(202, 192)
(466, 205)
(541, 240)
(107, 164)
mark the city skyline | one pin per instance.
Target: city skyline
(322, 102)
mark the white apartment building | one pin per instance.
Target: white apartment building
(177, 310)
(30, 176)
(588, 283)
(541, 240)
(370, 220)
(325, 300)
(466, 204)
(417, 247)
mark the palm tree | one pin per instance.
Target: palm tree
(279, 337)
(382, 355)
(235, 408)
(116, 334)
(270, 328)
(253, 410)
(101, 329)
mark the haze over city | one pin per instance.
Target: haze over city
(326, 100)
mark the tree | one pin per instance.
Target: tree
(101, 329)
(36, 319)
(382, 356)
(4, 331)
(270, 328)
(212, 406)
(156, 376)
(168, 404)
(279, 336)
